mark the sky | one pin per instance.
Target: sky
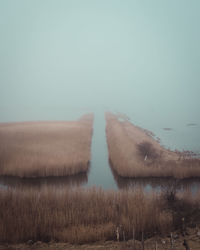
(138, 57)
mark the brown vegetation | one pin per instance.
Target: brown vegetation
(134, 153)
(156, 183)
(33, 149)
(147, 151)
(79, 215)
(90, 215)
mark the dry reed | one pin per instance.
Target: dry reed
(80, 215)
(33, 149)
(134, 153)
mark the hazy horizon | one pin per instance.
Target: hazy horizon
(63, 58)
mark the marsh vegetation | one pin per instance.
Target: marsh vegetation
(40, 149)
(133, 152)
(89, 215)
(50, 209)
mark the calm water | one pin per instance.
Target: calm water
(61, 59)
(100, 172)
(186, 137)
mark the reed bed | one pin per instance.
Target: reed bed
(80, 215)
(39, 149)
(134, 153)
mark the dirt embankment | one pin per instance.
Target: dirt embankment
(133, 152)
(190, 241)
(50, 148)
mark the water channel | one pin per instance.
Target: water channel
(100, 173)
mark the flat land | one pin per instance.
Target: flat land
(50, 148)
(133, 152)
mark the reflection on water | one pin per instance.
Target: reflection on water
(157, 183)
(68, 181)
(100, 173)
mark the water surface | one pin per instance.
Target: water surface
(100, 173)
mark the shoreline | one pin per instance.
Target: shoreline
(179, 242)
(135, 152)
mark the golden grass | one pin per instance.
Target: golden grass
(134, 153)
(33, 149)
(80, 215)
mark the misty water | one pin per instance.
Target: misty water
(62, 59)
(100, 173)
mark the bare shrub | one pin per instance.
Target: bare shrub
(184, 208)
(146, 149)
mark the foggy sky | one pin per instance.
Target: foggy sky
(127, 55)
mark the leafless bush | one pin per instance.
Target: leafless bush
(147, 150)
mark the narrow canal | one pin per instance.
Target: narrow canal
(100, 174)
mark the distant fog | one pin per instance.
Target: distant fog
(61, 58)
